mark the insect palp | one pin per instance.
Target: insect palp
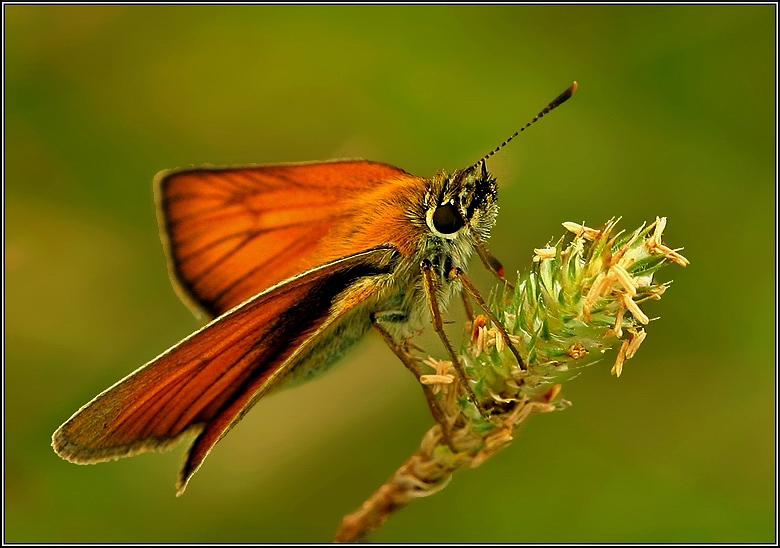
(492, 264)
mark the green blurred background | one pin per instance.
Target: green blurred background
(674, 117)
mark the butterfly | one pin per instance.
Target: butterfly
(294, 263)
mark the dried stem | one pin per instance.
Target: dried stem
(429, 471)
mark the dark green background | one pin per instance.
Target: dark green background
(674, 117)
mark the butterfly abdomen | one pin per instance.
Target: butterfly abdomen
(327, 352)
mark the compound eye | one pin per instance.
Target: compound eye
(447, 219)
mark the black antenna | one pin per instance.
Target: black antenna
(556, 102)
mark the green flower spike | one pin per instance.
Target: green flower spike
(580, 298)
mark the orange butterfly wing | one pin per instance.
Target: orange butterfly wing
(232, 232)
(209, 380)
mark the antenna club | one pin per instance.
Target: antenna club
(562, 98)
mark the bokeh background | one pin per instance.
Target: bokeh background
(674, 116)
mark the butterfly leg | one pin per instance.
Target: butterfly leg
(412, 364)
(430, 283)
(469, 286)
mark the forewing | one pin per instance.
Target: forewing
(231, 233)
(209, 380)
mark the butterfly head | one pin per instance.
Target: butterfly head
(462, 205)
(467, 199)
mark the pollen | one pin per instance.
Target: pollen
(632, 307)
(624, 278)
(440, 367)
(617, 330)
(544, 253)
(577, 351)
(628, 349)
(601, 286)
(552, 393)
(479, 343)
(437, 379)
(443, 374)
(617, 369)
(634, 341)
(479, 321)
(656, 245)
(500, 345)
(581, 231)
